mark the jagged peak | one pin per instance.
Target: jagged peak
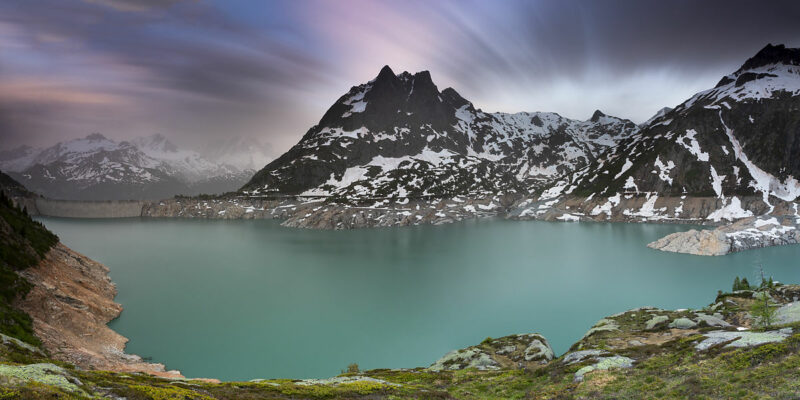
(95, 136)
(386, 74)
(772, 54)
(597, 115)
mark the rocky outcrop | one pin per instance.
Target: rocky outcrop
(524, 351)
(749, 233)
(71, 301)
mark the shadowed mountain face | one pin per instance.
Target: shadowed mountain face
(399, 136)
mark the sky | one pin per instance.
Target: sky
(199, 71)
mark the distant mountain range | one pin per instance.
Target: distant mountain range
(152, 167)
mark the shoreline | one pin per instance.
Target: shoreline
(727, 233)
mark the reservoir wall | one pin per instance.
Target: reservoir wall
(86, 209)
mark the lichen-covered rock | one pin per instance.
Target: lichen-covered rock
(45, 373)
(604, 325)
(682, 323)
(655, 321)
(788, 314)
(742, 339)
(603, 364)
(508, 352)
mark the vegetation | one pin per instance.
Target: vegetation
(23, 243)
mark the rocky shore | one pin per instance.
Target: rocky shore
(748, 233)
(70, 302)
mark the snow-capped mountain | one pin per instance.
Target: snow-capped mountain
(399, 136)
(737, 143)
(98, 168)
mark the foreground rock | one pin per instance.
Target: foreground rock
(71, 302)
(749, 233)
(525, 351)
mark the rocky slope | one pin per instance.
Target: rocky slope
(71, 301)
(97, 168)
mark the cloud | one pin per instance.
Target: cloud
(134, 5)
(198, 70)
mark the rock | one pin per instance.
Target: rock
(605, 363)
(338, 380)
(45, 373)
(514, 351)
(578, 356)
(748, 233)
(742, 339)
(703, 243)
(604, 325)
(465, 359)
(712, 320)
(787, 314)
(6, 340)
(656, 320)
(683, 323)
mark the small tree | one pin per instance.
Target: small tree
(762, 310)
(737, 284)
(745, 284)
(352, 369)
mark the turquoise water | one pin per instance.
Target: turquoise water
(250, 299)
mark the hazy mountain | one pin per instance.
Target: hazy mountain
(98, 168)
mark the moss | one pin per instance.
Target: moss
(169, 393)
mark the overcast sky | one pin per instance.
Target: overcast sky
(201, 70)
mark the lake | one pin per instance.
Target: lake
(238, 300)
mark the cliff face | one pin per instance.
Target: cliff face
(70, 302)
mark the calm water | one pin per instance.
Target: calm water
(250, 299)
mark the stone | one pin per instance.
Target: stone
(603, 364)
(683, 323)
(656, 320)
(742, 339)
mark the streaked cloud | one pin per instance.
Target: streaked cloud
(197, 70)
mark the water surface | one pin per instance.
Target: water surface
(250, 299)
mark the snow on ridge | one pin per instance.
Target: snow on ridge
(664, 170)
(763, 181)
(693, 146)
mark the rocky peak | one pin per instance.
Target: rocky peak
(95, 137)
(597, 115)
(769, 55)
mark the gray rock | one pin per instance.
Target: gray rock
(603, 364)
(683, 323)
(742, 339)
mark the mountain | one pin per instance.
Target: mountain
(736, 145)
(98, 168)
(398, 136)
